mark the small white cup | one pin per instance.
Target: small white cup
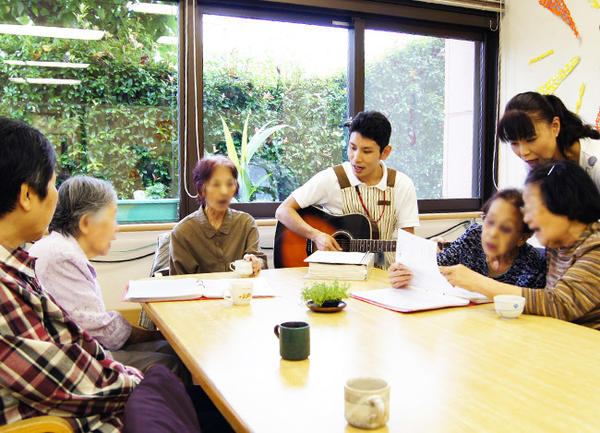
(367, 402)
(509, 306)
(240, 292)
(243, 268)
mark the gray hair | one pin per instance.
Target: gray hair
(78, 196)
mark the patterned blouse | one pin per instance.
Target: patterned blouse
(528, 269)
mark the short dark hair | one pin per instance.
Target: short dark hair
(372, 125)
(567, 190)
(525, 108)
(26, 156)
(514, 197)
(205, 169)
(78, 196)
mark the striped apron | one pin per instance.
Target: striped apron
(381, 207)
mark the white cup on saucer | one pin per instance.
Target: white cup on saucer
(243, 268)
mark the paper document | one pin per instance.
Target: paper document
(177, 289)
(408, 300)
(420, 256)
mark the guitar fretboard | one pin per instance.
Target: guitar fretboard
(372, 245)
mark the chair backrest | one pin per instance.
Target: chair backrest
(161, 255)
(160, 267)
(39, 424)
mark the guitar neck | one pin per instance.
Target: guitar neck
(371, 245)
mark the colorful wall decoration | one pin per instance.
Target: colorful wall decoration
(558, 7)
(541, 56)
(550, 86)
(581, 92)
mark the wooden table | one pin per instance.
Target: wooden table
(452, 370)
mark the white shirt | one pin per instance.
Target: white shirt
(323, 189)
(589, 158)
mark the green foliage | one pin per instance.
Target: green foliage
(407, 85)
(247, 151)
(158, 190)
(322, 291)
(119, 124)
(315, 107)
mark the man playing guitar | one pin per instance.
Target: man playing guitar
(363, 185)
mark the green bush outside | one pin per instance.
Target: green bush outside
(120, 123)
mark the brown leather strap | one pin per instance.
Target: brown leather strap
(391, 179)
(341, 176)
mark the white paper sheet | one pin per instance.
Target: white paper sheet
(420, 256)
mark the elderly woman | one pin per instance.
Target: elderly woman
(562, 207)
(83, 227)
(209, 239)
(497, 248)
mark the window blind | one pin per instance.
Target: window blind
(484, 5)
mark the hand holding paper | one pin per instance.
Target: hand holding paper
(420, 257)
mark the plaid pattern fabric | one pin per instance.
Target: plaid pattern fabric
(48, 364)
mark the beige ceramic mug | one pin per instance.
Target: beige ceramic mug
(240, 292)
(367, 402)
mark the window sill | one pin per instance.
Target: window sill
(147, 211)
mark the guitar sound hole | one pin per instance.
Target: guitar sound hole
(343, 240)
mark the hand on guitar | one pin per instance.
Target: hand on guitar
(325, 242)
(400, 275)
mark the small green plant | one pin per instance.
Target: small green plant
(323, 292)
(156, 191)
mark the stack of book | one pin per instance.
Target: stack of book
(339, 265)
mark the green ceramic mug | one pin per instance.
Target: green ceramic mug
(294, 340)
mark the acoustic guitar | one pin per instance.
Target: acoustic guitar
(353, 232)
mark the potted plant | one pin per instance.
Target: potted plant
(325, 296)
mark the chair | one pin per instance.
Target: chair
(160, 267)
(161, 255)
(39, 424)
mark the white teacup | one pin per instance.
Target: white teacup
(243, 268)
(509, 306)
(240, 292)
(367, 402)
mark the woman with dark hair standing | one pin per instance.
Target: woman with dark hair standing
(209, 239)
(562, 207)
(540, 129)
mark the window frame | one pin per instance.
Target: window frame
(395, 15)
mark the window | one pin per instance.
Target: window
(425, 85)
(275, 73)
(121, 94)
(430, 69)
(99, 79)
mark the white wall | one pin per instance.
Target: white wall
(528, 30)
